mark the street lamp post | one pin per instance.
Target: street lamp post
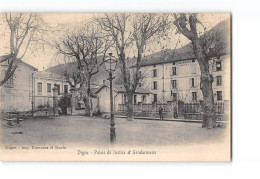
(110, 64)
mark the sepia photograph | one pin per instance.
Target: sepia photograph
(115, 86)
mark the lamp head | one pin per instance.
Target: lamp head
(110, 63)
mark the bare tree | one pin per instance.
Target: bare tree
(131, 31)
(84, 45)
(206, 46)
(69, 69)
(23, 30)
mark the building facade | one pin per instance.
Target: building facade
(44, 82)
(29, 88)
(179, 80)
(102, 101)
(16, 93)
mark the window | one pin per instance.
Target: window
(219, 80)
(10, 81)
(174, 83)
(173, 70)
(154, 97)
(193, 60)
(173, 63)
(154, 73)
(174, 96)
(58, 86)
(144, 99)
(219, 95)
(39, 87)
(155, 85)
(66, 89)
(154, 65)
(194, 96)
(218, 66)
(192, 82)
(48, 87)
(135, 99)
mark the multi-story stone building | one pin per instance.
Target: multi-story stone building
(172, 79)
(173, 75)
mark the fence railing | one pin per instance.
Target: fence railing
(188, 108)
(193, 108)
(146, 107)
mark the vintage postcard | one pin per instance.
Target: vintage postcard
(115, 87)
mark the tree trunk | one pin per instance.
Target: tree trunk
(87, 106)
(86, 95)
(130, 107)
(209, 119)
(91, 107)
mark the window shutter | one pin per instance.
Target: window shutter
(190, 82)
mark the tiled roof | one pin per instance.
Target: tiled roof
(186, 52)
(48, 75)
(139, 90)
(168, 56)
(121, 89)
(93, 90)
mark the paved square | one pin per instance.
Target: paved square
(94, 131)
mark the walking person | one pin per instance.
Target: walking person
(161, 112)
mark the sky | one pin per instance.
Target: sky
(43, 60)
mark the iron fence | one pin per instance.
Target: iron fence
(146, 107)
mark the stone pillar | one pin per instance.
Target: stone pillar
(73, 101)
(55, 101)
